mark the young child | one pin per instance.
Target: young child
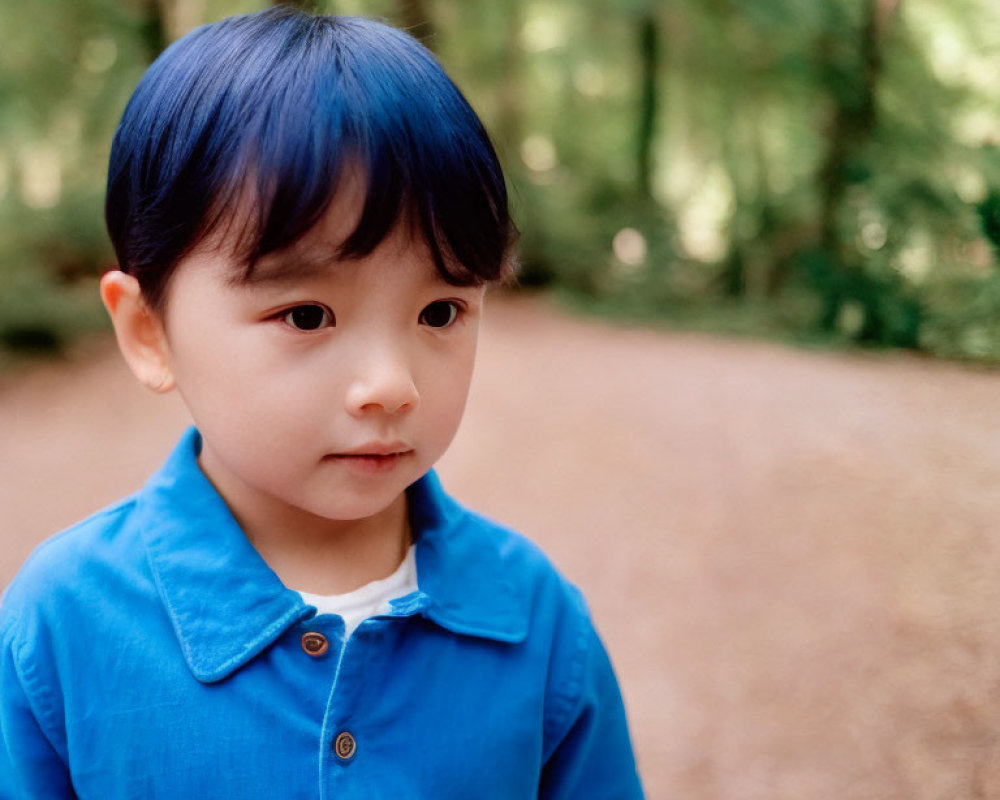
(306, 212)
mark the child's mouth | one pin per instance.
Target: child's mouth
(370, 462)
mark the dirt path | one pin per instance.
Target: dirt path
(793, 557)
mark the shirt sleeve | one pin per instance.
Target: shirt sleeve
(591, 755)
(30, 767)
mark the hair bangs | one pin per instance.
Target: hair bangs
(391, 113)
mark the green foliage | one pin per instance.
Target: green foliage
(797, 168)
(65, 74)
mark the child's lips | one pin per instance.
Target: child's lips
(375, 449)
(374, 457)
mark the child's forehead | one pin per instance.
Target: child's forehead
(319, 257)
(242, 214)
(345, 209)
(320, 250)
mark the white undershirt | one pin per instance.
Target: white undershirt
(368, 600)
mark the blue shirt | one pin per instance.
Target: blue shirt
(150, 652)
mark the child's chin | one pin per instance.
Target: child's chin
(349, 507)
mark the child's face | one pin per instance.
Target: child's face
(322, 387)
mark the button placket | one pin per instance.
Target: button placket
(344, 728)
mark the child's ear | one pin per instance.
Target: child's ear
(139, 331)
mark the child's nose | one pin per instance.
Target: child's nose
(385, 383)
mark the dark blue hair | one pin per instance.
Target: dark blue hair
(279, 104)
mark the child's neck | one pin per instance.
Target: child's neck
(321, 556)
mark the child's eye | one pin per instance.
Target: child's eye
(310, 317)
(439, 314)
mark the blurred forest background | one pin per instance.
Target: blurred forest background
(824, 171)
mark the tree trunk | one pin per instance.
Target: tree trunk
(153, 29)
(854, 94)
(649, 46)
(415, 18)
(180, 16)
(309, 6)
(510, 114)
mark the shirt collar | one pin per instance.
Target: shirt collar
(227, 605)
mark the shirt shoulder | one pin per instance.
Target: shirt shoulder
(68, 566)
(514, 550)
(489, 560)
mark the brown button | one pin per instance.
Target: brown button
(344, 745)
(315, 644)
